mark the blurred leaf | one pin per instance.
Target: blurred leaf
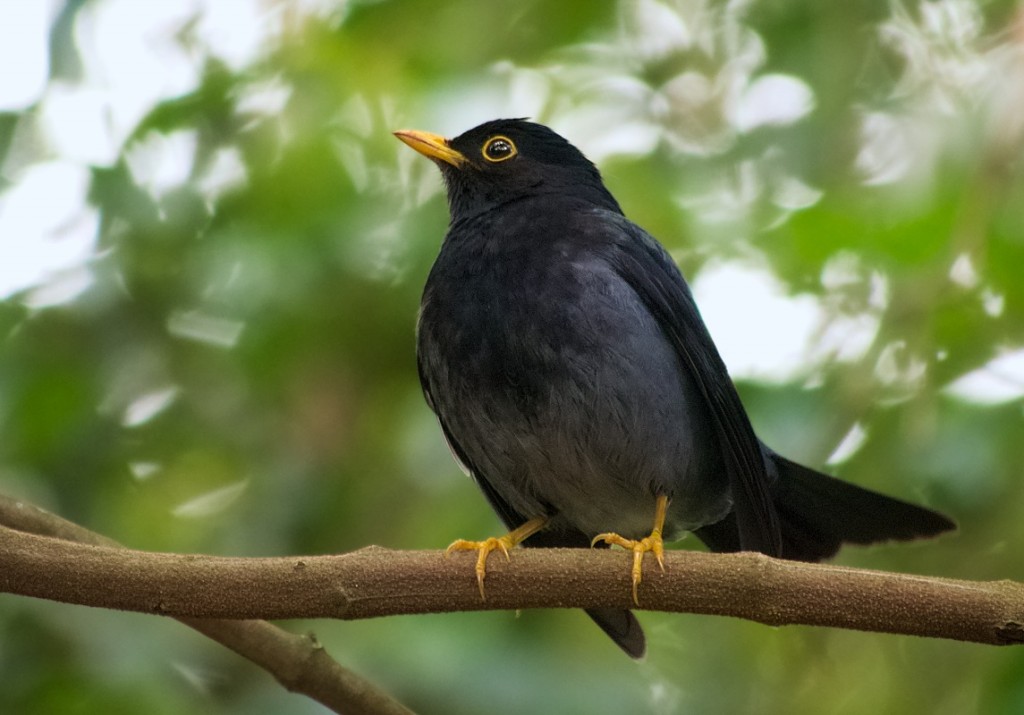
(231, 369)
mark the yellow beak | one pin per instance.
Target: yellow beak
(432, 146)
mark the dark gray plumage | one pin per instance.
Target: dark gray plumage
(573, 377)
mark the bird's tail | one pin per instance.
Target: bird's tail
(818, 513)
(623, 628)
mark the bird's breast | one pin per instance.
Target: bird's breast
(560, 386)
(509, 317)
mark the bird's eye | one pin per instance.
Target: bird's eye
(499, 149)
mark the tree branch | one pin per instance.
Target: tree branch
(375, 582)
(298, 663)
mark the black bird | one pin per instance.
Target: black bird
(575, 381)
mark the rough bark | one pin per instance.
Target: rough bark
(374, 582)
(297, 662)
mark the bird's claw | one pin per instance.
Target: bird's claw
(483, 549)
(496, 543)
(653, 544)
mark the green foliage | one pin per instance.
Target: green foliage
(230, 370)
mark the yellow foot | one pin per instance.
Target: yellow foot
(639, 547)
(483, 549)
(496, 543)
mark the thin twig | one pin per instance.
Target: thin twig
(299, 663)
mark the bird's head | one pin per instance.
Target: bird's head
(506, 160)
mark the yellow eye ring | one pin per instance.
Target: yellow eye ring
(498, 149)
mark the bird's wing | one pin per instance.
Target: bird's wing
(649, 270)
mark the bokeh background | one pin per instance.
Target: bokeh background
(211, 253)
